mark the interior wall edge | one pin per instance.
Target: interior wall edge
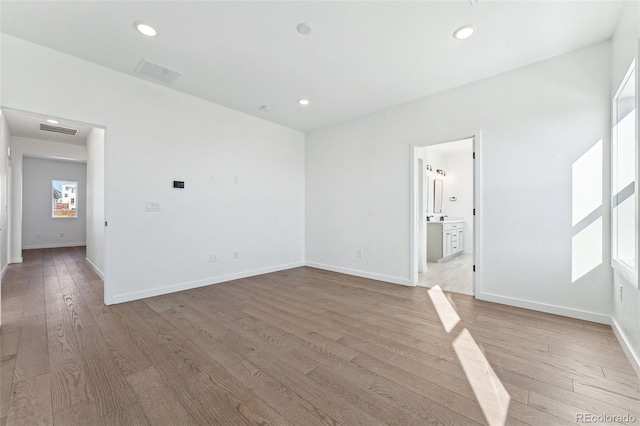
(546, 307)
(95, 269)
(632, 355)
(362, 274)
(173, 288)
(50, 246)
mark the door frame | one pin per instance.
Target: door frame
(106, 250)
(415, 214)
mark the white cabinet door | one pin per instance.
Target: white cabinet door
(461, 240)
(446, 242)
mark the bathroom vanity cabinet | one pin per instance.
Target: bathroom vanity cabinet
(444, 239)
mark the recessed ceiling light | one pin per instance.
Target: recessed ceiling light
(146, 29)
(304, 28)
(303, 102)
(52, 121)
(464, 32)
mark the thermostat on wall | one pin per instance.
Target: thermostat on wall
(178, 184)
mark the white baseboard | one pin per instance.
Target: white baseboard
(355, 272)
(46, 246)
(128, 297)
(4, 270)
(16, 260)
(95, 268)
(543, 307)
(632, 355)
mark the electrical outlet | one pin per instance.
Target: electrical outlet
(62, 234)
(359, 253)
(212, 177)
(213, 257)
(620, 288)
(38, 235)
(236, 254)
(236, 180)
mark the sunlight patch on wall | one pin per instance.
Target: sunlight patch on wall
(586, 183)
(586, 250)
(586, 212)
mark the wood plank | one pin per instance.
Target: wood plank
(344, 412)
(557, 408)
(293, 407)
(82, 414)
(79, 313)
(69, 384)
(30, 403)
(128, 357)
(131, 415)
(211, 374)
(106, 383)
(386, 400)
(202, 337)
(158, 402)
(627, 403)
(197, 390)
(32, 358)
(6, 374)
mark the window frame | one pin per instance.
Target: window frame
(75, 197)
(628, 273)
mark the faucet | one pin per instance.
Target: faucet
(429, 218)
(442, 217)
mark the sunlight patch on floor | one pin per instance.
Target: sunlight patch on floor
(489, 391)
(491, 394)
(445, 310)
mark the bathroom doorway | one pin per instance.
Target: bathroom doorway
(446, 213)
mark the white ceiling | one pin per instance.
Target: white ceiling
(360, 57)
(28, 126)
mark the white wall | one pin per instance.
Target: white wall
(155, 135)
(39, 229)
(625, 45)
(459, 184)
(21, 147)
(5, 137)
(535, 122)
(95, 199)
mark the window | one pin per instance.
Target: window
(624, 215)
(63, 206)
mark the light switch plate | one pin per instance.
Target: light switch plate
(152, 206)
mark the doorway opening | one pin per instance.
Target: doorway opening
(46, 151)
(445, 249)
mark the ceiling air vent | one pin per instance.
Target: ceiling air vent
(156, 71)
(56, 129)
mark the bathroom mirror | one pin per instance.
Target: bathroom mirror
(437, 196)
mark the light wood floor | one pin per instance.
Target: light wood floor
(299, 347)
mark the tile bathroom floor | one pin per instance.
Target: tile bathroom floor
(454, 275)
